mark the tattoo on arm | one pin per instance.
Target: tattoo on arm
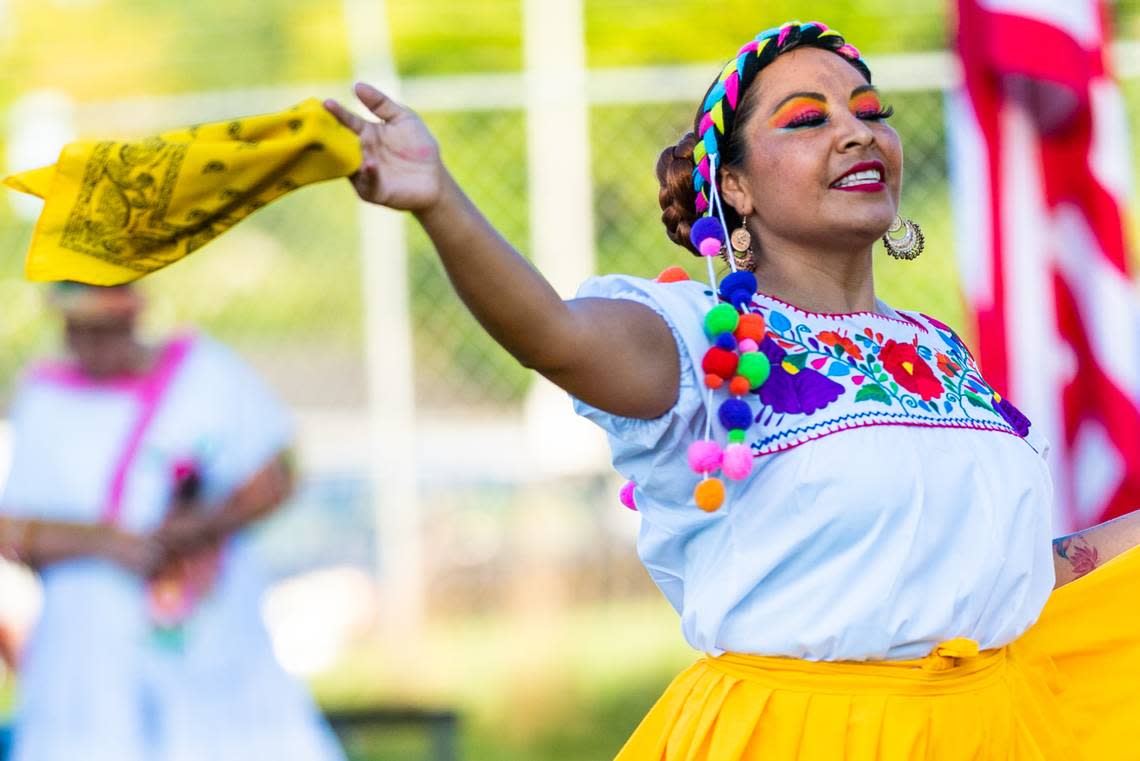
(1082, 556)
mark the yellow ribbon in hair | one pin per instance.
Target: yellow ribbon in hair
(115, 211)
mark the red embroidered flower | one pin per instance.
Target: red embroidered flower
(909, 370)
(831, 338)
(947, 365)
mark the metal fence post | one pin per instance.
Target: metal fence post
(561, 207)
(388, 349)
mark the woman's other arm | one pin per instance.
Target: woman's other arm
(1077, 554)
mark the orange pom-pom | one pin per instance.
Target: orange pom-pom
(739, 386)
(714, 381)
(752, 326)
(672, 274)
(709, 494)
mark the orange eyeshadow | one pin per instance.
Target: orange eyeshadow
(795, 110)
(866, 103)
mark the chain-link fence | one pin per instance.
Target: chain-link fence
(285, 288)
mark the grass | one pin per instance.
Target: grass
(537, 685)
(555, 685)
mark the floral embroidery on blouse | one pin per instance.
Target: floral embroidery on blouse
(912, 370)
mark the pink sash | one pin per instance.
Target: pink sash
(150, 392)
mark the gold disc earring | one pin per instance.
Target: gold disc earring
(909, 244)
(741, 244)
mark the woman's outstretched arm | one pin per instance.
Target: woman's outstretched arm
(616, 355)
(1077, 554)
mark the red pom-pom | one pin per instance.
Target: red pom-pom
(720, 362)
(714, 381)
(672, 274)
(751, 326)
(739, 386)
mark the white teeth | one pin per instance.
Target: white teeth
(860, 178)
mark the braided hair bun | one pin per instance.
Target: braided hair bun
(676, 194)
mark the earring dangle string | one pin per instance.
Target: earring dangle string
(717, 208)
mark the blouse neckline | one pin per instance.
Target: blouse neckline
(894, 316)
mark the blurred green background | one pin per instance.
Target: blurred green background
(542, 671)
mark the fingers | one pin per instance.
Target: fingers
(367, 180)
(377, 102)
(144, 557)
(345, 117)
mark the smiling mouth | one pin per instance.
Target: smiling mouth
(866, 178)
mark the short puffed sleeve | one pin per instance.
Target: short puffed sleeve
(644, 446)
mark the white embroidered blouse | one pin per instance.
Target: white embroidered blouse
(896, 501)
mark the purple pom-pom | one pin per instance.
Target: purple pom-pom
(737, 463)
(626, 495)
(705, 456)
(709, 247)
(735, 413)
(706, 227)
(726, 341)
(741, 280)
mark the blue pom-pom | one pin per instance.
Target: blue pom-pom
(741, 280)
(735, 414)
(726, 341)
(706, 227)
(741, 298)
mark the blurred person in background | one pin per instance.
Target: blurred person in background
(849, 520)
(135, 470)
(7, 650)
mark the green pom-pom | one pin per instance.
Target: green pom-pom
(736, 436)
(755, 367)
(722, 318)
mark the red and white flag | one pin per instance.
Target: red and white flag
(1041, 176)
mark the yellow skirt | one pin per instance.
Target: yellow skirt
(1067, 690)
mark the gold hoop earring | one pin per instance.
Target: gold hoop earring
(907, 246)
(740, 244)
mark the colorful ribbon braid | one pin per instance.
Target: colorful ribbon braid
(718, 112)
(735, 361)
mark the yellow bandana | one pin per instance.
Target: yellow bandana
(115, 211)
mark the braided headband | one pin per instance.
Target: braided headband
(718, 111)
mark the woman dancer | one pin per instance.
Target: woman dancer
(849, 520)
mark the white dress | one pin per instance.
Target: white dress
(894, 503)
(97, 681)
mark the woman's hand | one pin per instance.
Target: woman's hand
(141, 555)
(186, 530)
(401, 166)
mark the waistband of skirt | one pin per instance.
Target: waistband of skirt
(953, 666)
